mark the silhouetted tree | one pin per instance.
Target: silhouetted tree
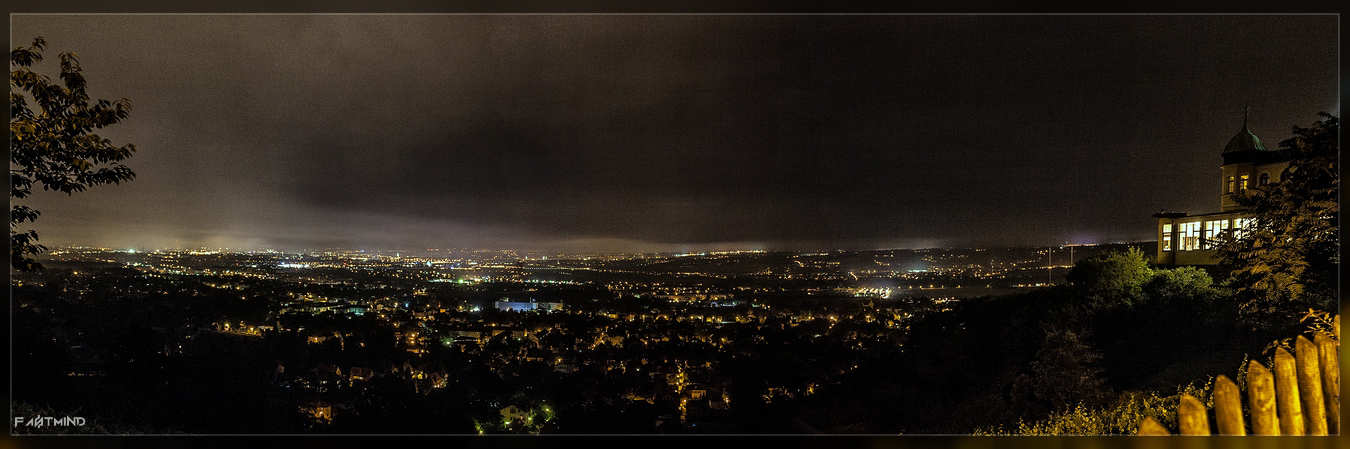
(1067, 372)
(1288, 257)
(55, 147)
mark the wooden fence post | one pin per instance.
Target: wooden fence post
(1329, 361)
(1192, 416)
(1150, 426)
(1261, 399)
(1228, 407)
(1310, 386)
(1286, 394)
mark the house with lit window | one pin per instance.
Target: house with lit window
(317, 409)
(1185, 239)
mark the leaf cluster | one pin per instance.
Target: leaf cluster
(52, 141)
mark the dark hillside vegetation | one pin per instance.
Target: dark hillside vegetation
(1119, 330)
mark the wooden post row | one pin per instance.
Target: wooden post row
(1301, 397)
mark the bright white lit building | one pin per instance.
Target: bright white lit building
(521, 306)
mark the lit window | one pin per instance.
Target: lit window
(1167, 237)
(1212, 231)
(1242, 183)
(1240, 226)
(1264, 179)
(1190, 236)
(1230, 185)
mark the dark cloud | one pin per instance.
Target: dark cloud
(562, 131)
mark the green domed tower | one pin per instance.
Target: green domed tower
(1185, 239)
(1247, 164)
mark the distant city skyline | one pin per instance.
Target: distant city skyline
(672, 133)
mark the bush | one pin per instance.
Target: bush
(1179, 283)
(1115, 276)
(1121, 417)
(1191, 292)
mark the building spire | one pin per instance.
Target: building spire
(1245, 140)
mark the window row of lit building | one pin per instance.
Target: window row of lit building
(1201, 234)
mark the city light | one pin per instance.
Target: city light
(493, 317)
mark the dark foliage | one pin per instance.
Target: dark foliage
(1122, 327)
(55, 146)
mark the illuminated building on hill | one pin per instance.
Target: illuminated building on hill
(1185, 239)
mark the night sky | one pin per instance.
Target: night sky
(590, 133)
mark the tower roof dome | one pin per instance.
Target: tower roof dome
(1244, 140)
